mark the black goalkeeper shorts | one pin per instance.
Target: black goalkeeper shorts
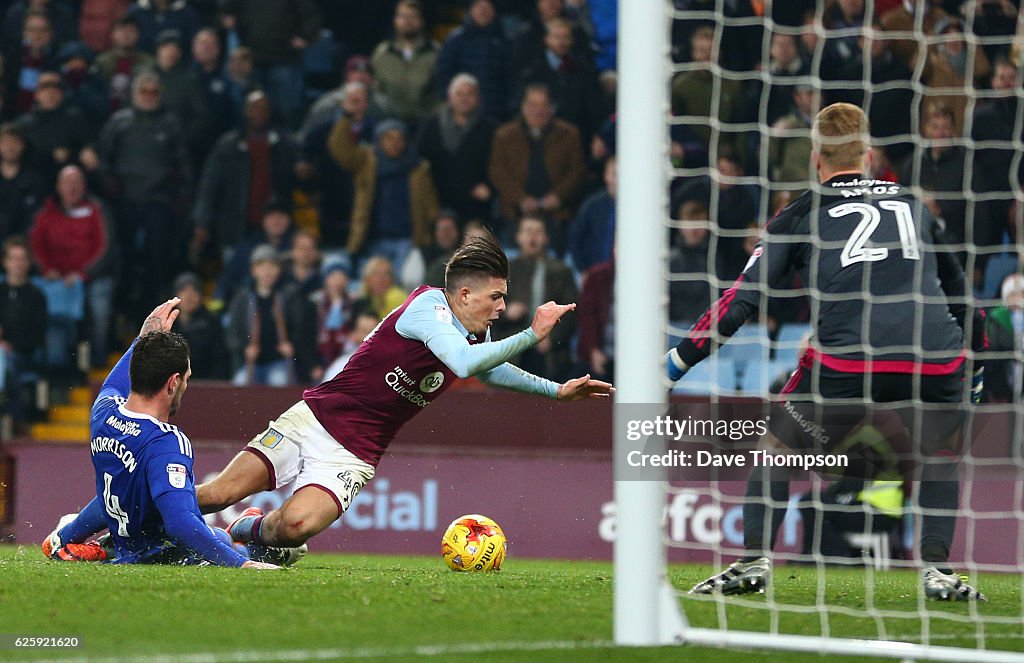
(821, 409)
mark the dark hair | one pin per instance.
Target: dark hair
(277, 206)
(38, 13)
(537, 87)
(446, 213)
(15, 242)
(12, 129)
(731, 154)
(411, 4)
(531, 217)
(480, 257)
(1002, 61)
(208, 29)
(126, 20)
(157, 356)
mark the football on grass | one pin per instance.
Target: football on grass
(473, 543)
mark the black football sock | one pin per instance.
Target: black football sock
(765, 486)
(939, 489)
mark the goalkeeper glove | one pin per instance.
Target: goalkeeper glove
(675, 365)
(977, 384)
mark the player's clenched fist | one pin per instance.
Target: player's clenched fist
(546, 317)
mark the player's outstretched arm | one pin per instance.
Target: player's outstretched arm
(179, 510)
(514, 378)
(547, 316)
(187, 529)
(770, 263)
(428, 319)
(584, 388)
(675, 366)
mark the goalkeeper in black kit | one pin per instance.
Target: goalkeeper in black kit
(890, 321)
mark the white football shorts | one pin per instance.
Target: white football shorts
(296, 447)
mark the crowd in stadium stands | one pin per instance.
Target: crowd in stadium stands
(292, 168)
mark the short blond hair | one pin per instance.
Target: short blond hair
(841, 134)
(939, 109)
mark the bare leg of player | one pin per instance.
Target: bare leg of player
(303, 515)
(245, 475)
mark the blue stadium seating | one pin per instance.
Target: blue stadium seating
(757, 376)
(749, 343)
(788, 342)
(715, 375)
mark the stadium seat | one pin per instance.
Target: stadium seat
(749, 344)
(757, 376)
(715, 375)
(997, 268)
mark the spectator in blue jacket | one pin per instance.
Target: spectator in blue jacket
(156, 16)
(593, 231)
(223, 112)
(478, 48)
(83, 87)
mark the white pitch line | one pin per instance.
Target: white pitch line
(387, 652)
(336, 654)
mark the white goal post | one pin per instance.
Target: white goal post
(647, 609)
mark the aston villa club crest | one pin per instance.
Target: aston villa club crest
(432, 382)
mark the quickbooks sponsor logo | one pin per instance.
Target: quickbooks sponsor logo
(402, 384)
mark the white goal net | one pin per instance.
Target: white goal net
(716, 103)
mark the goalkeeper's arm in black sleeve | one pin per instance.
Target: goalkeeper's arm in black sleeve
(775, 256)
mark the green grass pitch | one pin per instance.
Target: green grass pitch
(377, 608)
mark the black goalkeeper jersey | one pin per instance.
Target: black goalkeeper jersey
(887, 296)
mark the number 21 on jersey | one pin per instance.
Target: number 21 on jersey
(870, 217)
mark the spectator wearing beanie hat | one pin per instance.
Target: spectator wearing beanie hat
(83, 87)
(334, 317)
(271, 333)
(203, 331)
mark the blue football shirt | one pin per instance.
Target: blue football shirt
(140, 462)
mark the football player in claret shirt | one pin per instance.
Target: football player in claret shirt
(331, 441)
(889, 311)
(145, 494)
